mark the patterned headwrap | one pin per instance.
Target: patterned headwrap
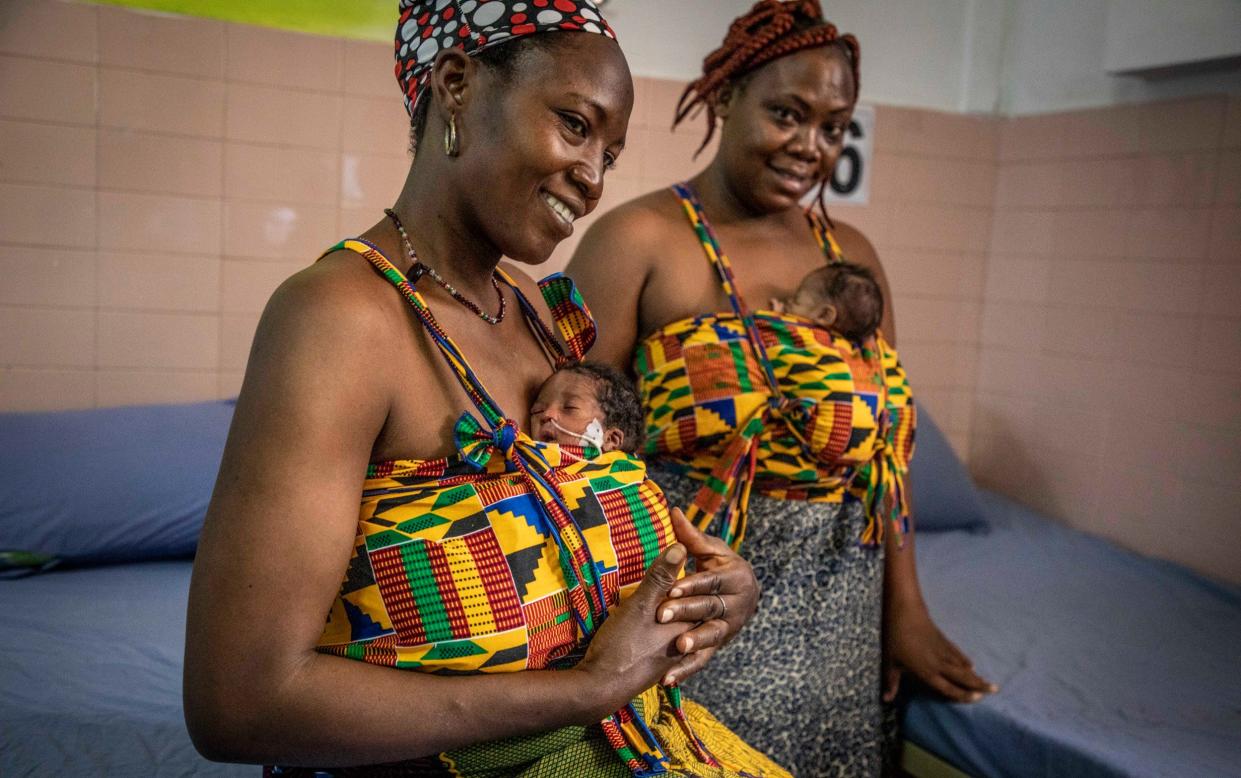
(426, 26)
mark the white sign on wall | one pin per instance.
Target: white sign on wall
(850, 181)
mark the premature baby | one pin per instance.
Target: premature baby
(841, 296)
(588, 404)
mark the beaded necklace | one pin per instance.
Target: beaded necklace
(419, 268)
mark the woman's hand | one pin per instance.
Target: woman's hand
(631, 652)
(719, 597)
(914, 645)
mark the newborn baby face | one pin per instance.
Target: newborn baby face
(564, 409)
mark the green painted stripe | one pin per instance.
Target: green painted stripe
(370, 20)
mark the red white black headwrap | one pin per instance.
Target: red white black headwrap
(427, 26)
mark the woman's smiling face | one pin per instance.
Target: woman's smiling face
(537, 144)
(785, 125)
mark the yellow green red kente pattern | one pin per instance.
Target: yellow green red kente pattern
(506, 557)
(761, 401)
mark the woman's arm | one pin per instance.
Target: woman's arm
(912, 641)
(277, 540)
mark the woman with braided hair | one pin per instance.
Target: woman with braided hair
(788, 440)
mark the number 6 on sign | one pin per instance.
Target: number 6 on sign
(850, 181)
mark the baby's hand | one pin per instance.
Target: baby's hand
(777, 305)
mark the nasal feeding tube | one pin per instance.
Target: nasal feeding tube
(593, 436)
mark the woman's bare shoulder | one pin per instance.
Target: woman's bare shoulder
(856, 246)
(640, 226)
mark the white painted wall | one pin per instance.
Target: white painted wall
(1012, 57)
(1054, 61)
(938, 54)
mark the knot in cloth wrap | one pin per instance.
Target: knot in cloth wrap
(426, 27)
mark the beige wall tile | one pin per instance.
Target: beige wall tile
(135, 161)
(178, 225)
(1029, 137)
(1159, 287)
(1226, 235)
(932, 320)
(1013, 325)
(1169, 233)
(47, 91)
(247, 284)
(40, 389)
(1223, 290)
(236, 335)
(43, 215)
(1184, 179)
(354, 221)
(1085, 284)
(1078, 330)
(264, 114)
(1019, 278)
(939, 365)
(159, 281)
(159, 103)
(161, 43)
(957, 275)
(277, 231)
(229, 383)
(1037, 184)
(158, 340)
(909, 179)
(1099, 183)
(1219, 345)
(46, 276)
(1156, 339)
(279, 58)
(667, 157)
(1232, 123)
(940, 227)
(1091, 233)
(934, 134)
(1023, 232)
(286, 175)
(371, 181)
(660, 97)
(377, 126)
(147, 387)
(1183, 125)
(47, 154)
(1101, 132)
(46, 337)
(38, 28)
(1228, 190)
(368, 70)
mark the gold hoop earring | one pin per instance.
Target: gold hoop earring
(451, 145)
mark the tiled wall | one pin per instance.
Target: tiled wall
(1109, 386)
(1067, 286)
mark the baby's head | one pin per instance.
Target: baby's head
(588, 403)
(841, 296)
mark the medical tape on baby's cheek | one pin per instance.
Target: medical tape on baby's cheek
(592, 437)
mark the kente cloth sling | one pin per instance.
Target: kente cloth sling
(773, 402)
(506, 557)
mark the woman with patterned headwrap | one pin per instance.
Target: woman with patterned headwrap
(491, 608)
(791, 441)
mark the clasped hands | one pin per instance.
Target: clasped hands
(670, 627)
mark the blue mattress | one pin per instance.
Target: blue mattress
(90, 674)
(1111, 664)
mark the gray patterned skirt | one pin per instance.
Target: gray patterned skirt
(801, 681)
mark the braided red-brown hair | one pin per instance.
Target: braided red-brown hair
(772, 29)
